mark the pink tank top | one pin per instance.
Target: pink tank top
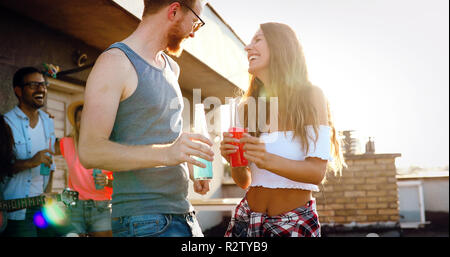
(80, 178)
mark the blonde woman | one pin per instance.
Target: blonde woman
(286, 165)
(92, 214)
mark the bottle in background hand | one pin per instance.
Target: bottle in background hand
(94, 174)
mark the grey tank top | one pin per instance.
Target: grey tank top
(151, 115)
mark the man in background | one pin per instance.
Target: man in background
(33, 132)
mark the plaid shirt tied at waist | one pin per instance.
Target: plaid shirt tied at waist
(300, 222)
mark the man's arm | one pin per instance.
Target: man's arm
(21, 165)
(37, 159)
(104, 91)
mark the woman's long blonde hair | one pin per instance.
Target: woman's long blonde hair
(288, 80)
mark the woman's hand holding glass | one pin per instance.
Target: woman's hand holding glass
(226, 148)
(255, 151)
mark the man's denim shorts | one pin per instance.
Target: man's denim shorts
(91, 216)
(157, 225)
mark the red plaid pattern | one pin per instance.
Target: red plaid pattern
(301, 222)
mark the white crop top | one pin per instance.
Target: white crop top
(283, 145)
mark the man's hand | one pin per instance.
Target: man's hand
(42, 157)
(185, 147)
(201, 186)
(36, 160)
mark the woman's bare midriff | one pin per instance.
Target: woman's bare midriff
(275, 201)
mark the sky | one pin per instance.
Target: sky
(383, 65)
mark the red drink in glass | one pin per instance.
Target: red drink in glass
(237, 159)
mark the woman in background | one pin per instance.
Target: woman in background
(92, 214)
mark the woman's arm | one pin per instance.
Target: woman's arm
(241, 176)
(58, 146)
(311, 170)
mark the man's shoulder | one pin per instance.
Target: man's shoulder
(173, 64)
(9, 113)
(112, 68)
(113, 55)
(11, 116)
(171, 60)
(113, 52)
(44, 115)
(13, 120)
(113, 62)
(48, 121)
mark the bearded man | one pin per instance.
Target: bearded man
(129, 127)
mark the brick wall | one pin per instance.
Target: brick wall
(365, 193)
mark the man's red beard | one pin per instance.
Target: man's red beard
(175, 38)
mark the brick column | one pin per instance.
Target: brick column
(366, 192)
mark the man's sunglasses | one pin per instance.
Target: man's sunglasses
(35, 85)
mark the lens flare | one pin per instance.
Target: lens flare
(39, 220)
(54, 214)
